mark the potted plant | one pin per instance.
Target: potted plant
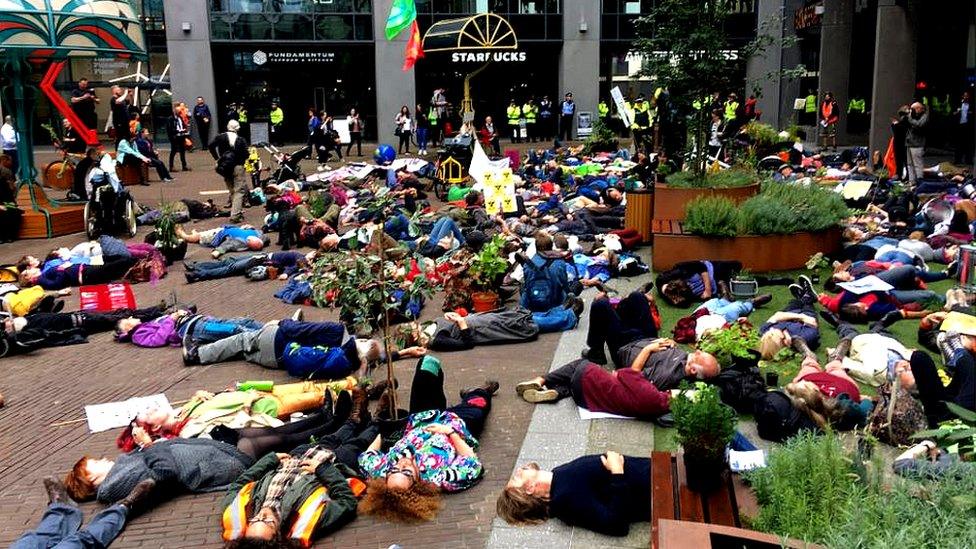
(487, 269)
(167, 242)
(744, 285)
(733, 346)
(704, 426)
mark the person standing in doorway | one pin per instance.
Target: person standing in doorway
(8, 141)
(438, 106)
(423, 129)
(356, 132)
(829, 116)
(545, 119)
(242, 118)
(202, 118)
(177, 132)
(277, 117)
(83, 101)
(530, 112)
(229, 150)
(403, 129)
(120, 113)
(567, 112)
(514, 114)
(917, 120)
(490, 136)
(965, 119)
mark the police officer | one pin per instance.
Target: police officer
(277, 118)
(530, 111)
(514, 114)
(546, 119)
(642, 122)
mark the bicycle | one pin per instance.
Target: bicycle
(60, 174)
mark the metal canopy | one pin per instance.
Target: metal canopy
(485, 31)
(45, 29)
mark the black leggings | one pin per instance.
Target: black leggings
(347, 442)
(934, 395)
(404, 142)
(630, 321)
(114, 268)
(258, 441)
(427, 393)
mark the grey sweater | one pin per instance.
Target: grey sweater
(191, 465)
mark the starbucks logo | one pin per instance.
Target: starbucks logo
(259, 57)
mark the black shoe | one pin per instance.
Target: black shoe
(952, 269)
(343, 407)
(797, 291)
(596, 357)
(761, 300)
(58, 306)
(191, 277)
(56, 492)
(889, 319)
(830, 318)
(490, 386)
(807, 284)
(191, 349)
(138, 494)
(575, 304)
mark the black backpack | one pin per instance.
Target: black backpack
(777, 419)
(740, 389)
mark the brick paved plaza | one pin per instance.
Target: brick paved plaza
(51, 387)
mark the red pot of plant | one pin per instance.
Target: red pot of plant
(482, 302)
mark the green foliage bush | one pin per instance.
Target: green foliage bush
(810, 490)
(725, 179)
(780, 208)
(728, 343)
(712, 216)
(704, 425)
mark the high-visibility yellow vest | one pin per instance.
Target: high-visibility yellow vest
(642, 116)
(277, 116)
(514, 114)
(242, 116)
(857, 106)
(602, 109)
(530, 111)
(730, 109)
(811, 104)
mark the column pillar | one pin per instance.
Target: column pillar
(835, 57)
(394, 86)
(762, 70)
(579, 64)
(191, 72)
(894, 69)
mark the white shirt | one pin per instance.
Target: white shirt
(8, 137)
(964, 113)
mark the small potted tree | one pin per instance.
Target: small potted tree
(488, 268)
(167, 242)
(705, 426)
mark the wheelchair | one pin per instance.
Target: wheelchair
(109, 212)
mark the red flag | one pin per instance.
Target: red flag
(415, 48)
(889, 159)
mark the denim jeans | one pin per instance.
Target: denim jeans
(209, 330)
(60, 525)
(731, 310)
(445, 226)
(398, 227)
(232, 266)
(557, 319)
(915, 296)
(422, 138)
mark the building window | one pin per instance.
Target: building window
(531, 19)
(292, 20)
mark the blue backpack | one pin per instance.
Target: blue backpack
(542, 289)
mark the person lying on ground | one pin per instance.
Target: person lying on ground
(437, 452)
(691, 281)
(298, 496)
(960, 364)
(170, 329)
(22, 302)
(665, 364)
(900, 275)
(319, 350)
(873, 357)
(596, 269)
(229, 238)
(109, 269)
(85, 322)
(285, 263)
(546, 282)
(454, 332)
(926, 461)
(604, 493)
(177, 465)
(232, 409)
(624, 392)
(892, 305)
(60, 527)
(829, 396)
(715, 314)
(634, 317)
(796, 326)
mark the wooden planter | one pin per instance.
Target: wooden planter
(757, 253)
(640, 212)
(669, 203)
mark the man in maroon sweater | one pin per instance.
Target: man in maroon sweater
(623, 392)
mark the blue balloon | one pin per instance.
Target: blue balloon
(384, 154)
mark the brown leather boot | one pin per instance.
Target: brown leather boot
(360, 403)
(138, 494)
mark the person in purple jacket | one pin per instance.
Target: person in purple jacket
(170, 329)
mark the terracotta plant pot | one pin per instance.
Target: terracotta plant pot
(482, 302)
(705, 475)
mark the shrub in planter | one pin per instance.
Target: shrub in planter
(171, 246)
(786, 209)
(704, 428)
(711, 216)
(725, 179)
(734, 345)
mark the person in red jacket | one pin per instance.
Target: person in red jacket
(829, 116)
(624, 392)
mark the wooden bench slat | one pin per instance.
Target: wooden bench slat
(690, 503)
(745, 499)
(662, 491)
(720, 505)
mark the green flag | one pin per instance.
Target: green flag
(402, 14)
